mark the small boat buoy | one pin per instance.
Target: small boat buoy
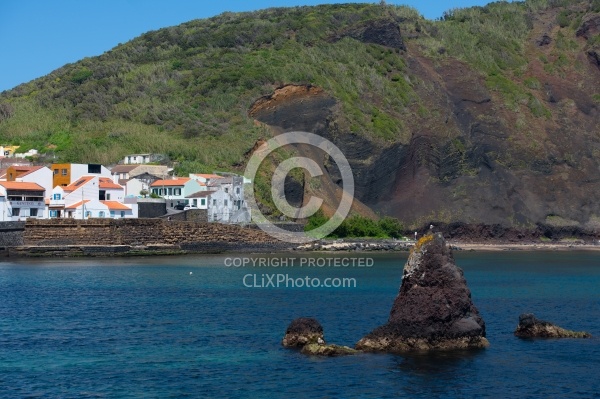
(191, 273)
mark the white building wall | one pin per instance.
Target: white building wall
(134, 186)
(80, 170)
(42, 177)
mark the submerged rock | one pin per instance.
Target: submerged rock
(433, 310)
(328, 350)
(302, 331)
(532, 327)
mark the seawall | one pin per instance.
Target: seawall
(126, 237)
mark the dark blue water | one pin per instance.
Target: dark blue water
(146, 328)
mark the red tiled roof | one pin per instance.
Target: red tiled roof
(106, 182)
(25, 170)
(179, 181)
(116, 206)
(19, 185)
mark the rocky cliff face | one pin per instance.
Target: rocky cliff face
(471, 153)
(433, 310)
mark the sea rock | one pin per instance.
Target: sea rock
(433, 310)
(302, 331)
(532, 327)
(327, 350)
(307, 333)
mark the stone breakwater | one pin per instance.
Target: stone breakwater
(109, 237)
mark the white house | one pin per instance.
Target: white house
(30, 153)
(87, 209)
(134, 187)
(227, 204)
(90, 196)
(137, 178)
(21, 200)
(140, 159)
(177, 189)
(200, 199)
(110, 191)
(41, 175)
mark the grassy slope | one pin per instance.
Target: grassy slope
(186, 90)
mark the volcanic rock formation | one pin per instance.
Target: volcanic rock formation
(302, 331)
(433, 309)
(531, 327)
(307, 333)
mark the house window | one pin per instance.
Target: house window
(237, 190)
(108, 197)
(112, 214)
(215, 216)
(53, 214)
(88, 214)
(122, 214)
(33, 212)
(177, 191)
(226, 189)
(56, 196)
(214, 202)
(16, 211)
(55, 171)
(64, 172)
(225, 202)
(203, 201)
(101, 214)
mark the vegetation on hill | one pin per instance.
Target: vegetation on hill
(507, 88)
(185, 90)
(357, 226)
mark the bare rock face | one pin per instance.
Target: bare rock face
(303, 331)
(532, 327)
(433, 310)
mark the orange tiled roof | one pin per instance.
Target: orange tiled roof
(19, 185)
(179, 181)
(114, 205)
(78, 183)
(106, 182)
(25, 170)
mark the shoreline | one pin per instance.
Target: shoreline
(495, 247)
(323, 246)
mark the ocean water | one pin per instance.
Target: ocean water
(186, 327)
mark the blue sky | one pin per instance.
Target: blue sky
(39, 36)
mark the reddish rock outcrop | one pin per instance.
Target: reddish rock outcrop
(433, 310)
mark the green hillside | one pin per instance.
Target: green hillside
(186, 91)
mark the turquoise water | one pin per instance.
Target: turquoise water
(147, 328)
